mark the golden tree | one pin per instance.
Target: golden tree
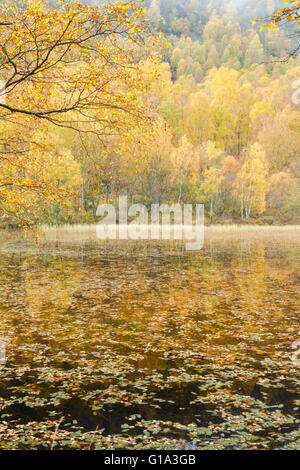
(73, 66)
(252, 181)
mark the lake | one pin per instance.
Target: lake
(144, 345)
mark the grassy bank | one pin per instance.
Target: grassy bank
(85, 232)
(79, 232)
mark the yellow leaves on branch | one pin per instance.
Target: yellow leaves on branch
(69, 66)
(284, 15)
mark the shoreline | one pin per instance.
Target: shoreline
(87, 232)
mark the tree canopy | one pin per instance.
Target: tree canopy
(72, 66)
(92, 104)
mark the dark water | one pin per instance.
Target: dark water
(138, 345)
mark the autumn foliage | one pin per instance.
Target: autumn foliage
(92, 105)
(75, 68)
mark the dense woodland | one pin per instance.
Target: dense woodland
(227, 133)
(149, 346)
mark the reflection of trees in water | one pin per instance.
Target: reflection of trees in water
(145, 324)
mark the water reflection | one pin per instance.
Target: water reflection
(148, 342)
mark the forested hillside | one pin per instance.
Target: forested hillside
(228, 132)
(228, 102)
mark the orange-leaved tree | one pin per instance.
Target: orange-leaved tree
(70, 66)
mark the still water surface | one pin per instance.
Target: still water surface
(143, 344)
